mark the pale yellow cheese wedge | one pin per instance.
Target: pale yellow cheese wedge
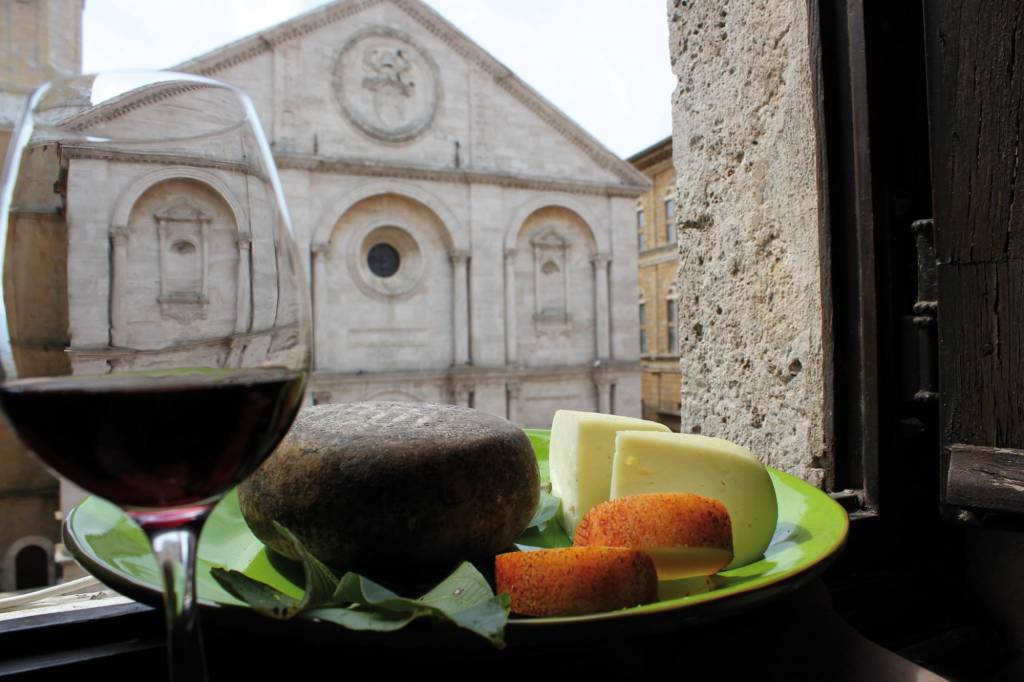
(647, 462)
(580, 459)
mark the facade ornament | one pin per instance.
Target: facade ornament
(388, 86)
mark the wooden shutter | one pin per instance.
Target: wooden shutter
(975, 65)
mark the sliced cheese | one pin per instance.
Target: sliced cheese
(646, 462)
(580, 458)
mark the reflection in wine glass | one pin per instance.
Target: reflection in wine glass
(156, 322)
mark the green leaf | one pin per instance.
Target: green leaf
(320, 580)
(261, 597)
(356, 602)
(486, 619)
(544, 531)
(547, 507)
(549, 537)
(464, 598)
(354, 619)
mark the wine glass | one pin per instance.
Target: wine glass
(156, 334)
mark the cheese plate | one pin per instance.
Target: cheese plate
(811, 529)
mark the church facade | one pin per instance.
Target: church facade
(466, 241)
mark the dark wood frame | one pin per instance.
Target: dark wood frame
(838, 66)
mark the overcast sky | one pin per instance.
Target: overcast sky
(604, 63)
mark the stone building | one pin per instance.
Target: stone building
(464, 240)
(658, 298)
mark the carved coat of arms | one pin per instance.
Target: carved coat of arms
(386, 85)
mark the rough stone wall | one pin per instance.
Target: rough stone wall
(750, 302)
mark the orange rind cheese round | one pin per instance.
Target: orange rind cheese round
(686, 535)
(573, 581)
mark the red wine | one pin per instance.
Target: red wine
(151, 440)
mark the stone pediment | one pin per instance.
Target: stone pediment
(549, 239)
(181, 212)
(394, 74)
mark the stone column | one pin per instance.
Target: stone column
(460, 306)
(601, 325)
(511, 347)
(319, 287)
(118, 283)
(244, 284)
(513, 388)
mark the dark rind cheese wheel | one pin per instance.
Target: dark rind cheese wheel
(395, 491)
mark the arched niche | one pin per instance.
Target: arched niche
(554, 288)
(598, 234)
(177, 267)
(383, 282)
(130, 196)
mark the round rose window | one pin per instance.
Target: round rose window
(383, 260)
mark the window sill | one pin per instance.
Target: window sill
(660, 249)
(81, 602)
(98, 631)
(658, 356)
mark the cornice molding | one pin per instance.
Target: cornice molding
(124, 103)
(98, 153)
(246, 48)
(362, 167)
(265, 41)
(652, 154)
(470, 373)
(648, 163)
(119, 352)
(358, 167)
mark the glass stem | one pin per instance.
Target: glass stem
(175, 550)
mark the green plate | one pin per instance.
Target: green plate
(811, 529)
